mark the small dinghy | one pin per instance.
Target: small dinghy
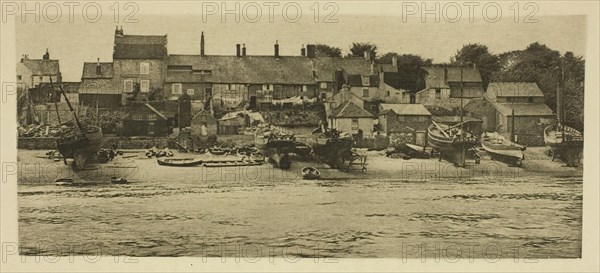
(63, 182)
(118, 180)
(217, 151)
(179, 162)
(501, 148)
(310, 173)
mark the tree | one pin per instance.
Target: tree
(358, 50)
(573, 89)
(410, 68)
(328, 51)
(478, 55)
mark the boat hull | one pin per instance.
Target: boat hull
(452, 149)
(276, 148)
(334, 151)
(503, 150)
(179, 162)
(80, 147)
(568, 147)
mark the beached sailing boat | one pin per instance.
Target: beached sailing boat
(500, 147)
(452, 142)
(77, 141)
(564, 141)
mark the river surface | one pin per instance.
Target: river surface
(259, 211)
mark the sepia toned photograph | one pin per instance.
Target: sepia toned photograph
(245, 132)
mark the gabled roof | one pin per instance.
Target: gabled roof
(454, 119)
(247, 69)
(515, 89)
(140, 47)
(39, 67)
(350, 110)
(435, 75)
(325, 67)
(405, 109)
(155, 111)
(89, 71)
(356, 80)
(523, 109)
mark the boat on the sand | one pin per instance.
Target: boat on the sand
(310, 173)
(501, 148)
(179, 162)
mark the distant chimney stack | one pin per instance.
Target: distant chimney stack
(395, 60)
(202, 44)
(98, 68)
(367, 54)
(303, 51)
(311, 50)
(244, 50)
(445, 73)
(237, 50)
(46, 55)
(276, 46)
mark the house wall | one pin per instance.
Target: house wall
(209, 121)
(345, 125)
(520, 99)
(112, 101)
(391, 95)
(529, 130)
(200, 93)
(374, 92)
(130, 69)
(483, 110)
(133, 127)
(26, 80)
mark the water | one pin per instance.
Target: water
(262, 212)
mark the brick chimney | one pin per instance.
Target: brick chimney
(276, 47)
(445, 73)
(46, 55)
(202, 44)
(367, 55)
(311, 51)
(237, 50)
(243, 49)
(394, 60)
(303, 51)
(98, 68)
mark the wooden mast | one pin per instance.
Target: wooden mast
(69, 104)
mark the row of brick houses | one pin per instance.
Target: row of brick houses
(145, 80)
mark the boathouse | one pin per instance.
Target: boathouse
(143, 119)
(410, 120)
(530, 120)
(203, 123)
(443, 85)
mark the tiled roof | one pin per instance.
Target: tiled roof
(325, 67)
(249, 69)
(406, 109)
(387, 68)
(350, 110)
(140, 47)
(187, 77)
(42, 67)
(524, 109)
(453, 119)
(514, 89)
(356, 80)
(89, 71)
(435, 75)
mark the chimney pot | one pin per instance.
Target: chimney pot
(276, 47)
(303, 51)
(237, 50)
(98, 67)
(244, 50)
(202, 43)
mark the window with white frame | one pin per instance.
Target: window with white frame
(304, 88)
(138, 116)
(176, 88)
(190, 91)
(354, 124)
(128, 86)
(366, 81)
(323, 85)
(152, 116)
(144, 68)
(145, 86)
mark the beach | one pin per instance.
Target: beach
(396, 208)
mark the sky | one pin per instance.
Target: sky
(392, 27)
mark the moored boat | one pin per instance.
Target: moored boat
(331, 145)
(451, 142)
(179, 162)
(501, 148)
(118, 180)
(564, 142)
(310, 173)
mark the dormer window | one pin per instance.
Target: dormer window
(144, 68)
(366, 81)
